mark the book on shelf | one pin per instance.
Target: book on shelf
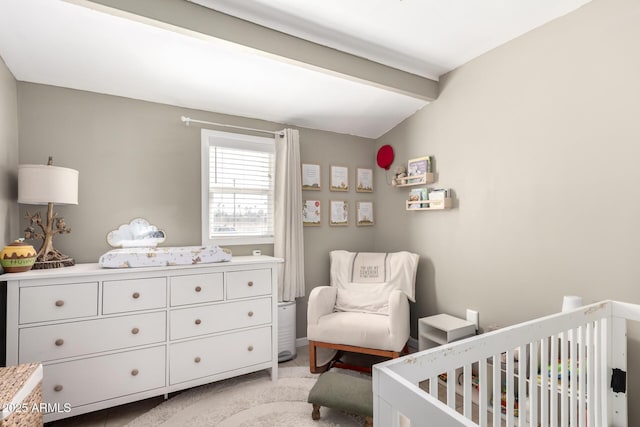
(419, 168)
(439, 194)
(416, 195)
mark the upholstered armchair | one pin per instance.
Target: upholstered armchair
(366, 307)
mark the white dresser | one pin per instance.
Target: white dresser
(112, 336)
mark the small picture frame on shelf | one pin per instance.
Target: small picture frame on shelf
(338, 213)
(364, 180)
(311, 177)
(311, 213)
(339, 178)
(364, 214)
(418, 168)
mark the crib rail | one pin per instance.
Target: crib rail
(552, 371)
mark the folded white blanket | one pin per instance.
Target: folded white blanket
(369, 267)
(160, 257)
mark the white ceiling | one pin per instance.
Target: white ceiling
(423, 37)
(63, 44)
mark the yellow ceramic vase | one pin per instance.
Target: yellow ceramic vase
(17, 257)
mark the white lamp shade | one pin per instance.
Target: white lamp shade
(42, 184)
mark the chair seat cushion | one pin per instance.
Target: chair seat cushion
(357, 329)
(344, 392)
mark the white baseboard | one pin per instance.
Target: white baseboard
(301, 342)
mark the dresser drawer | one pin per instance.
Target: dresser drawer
(99, 378)
(209, 356)
(120, 296)
(44, 343)
(44, 303)
(196, 288)
(190, 322)
(242, 284)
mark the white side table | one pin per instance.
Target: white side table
(442, 329)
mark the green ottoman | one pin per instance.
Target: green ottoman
(344, 392)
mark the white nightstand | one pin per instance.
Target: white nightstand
(442, 329)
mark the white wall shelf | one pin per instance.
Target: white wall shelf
(432, 205)
(410, 181)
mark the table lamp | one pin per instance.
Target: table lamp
(47, 185)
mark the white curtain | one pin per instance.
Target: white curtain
(288, 243)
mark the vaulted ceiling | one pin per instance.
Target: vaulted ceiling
(350, 66)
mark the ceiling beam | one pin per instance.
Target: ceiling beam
(198, 21)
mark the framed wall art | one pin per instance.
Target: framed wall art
(339, 178)
(311, 177)
(339, 213)
(364, 180)
(364, 214)
(311, 213)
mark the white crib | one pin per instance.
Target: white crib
(560, 370)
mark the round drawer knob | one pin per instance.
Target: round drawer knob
(197, 360)
(134, 372)
(250, 284)
(59, 342)
(136, 295)
(198, 321)
(59, 303)
(58, 388)
(250, 348)
(198, 288)
(135, 331)
(250, 314)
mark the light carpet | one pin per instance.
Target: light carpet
(247, 401)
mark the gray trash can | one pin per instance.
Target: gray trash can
(286, 330)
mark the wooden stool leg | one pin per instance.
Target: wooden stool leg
(368, 422)
(315, 414)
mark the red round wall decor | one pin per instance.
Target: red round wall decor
(385, 156)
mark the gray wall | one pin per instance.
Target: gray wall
(136, 159)
(8, 156)
(540, 141)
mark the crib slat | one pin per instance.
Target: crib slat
(466, 391)
(553, 381)
(533, 383)
(451, 389)
(433, 387)
(544, 382)
(573, 377)
(597, 361)
(602, 411)
(564, 376)
(522, 385)
(591, 394)
(582, 413)
(483, 391)
(497, 389)
(510, 388)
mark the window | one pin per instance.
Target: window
(237, 188)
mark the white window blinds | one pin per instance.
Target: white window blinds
(238, 185)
